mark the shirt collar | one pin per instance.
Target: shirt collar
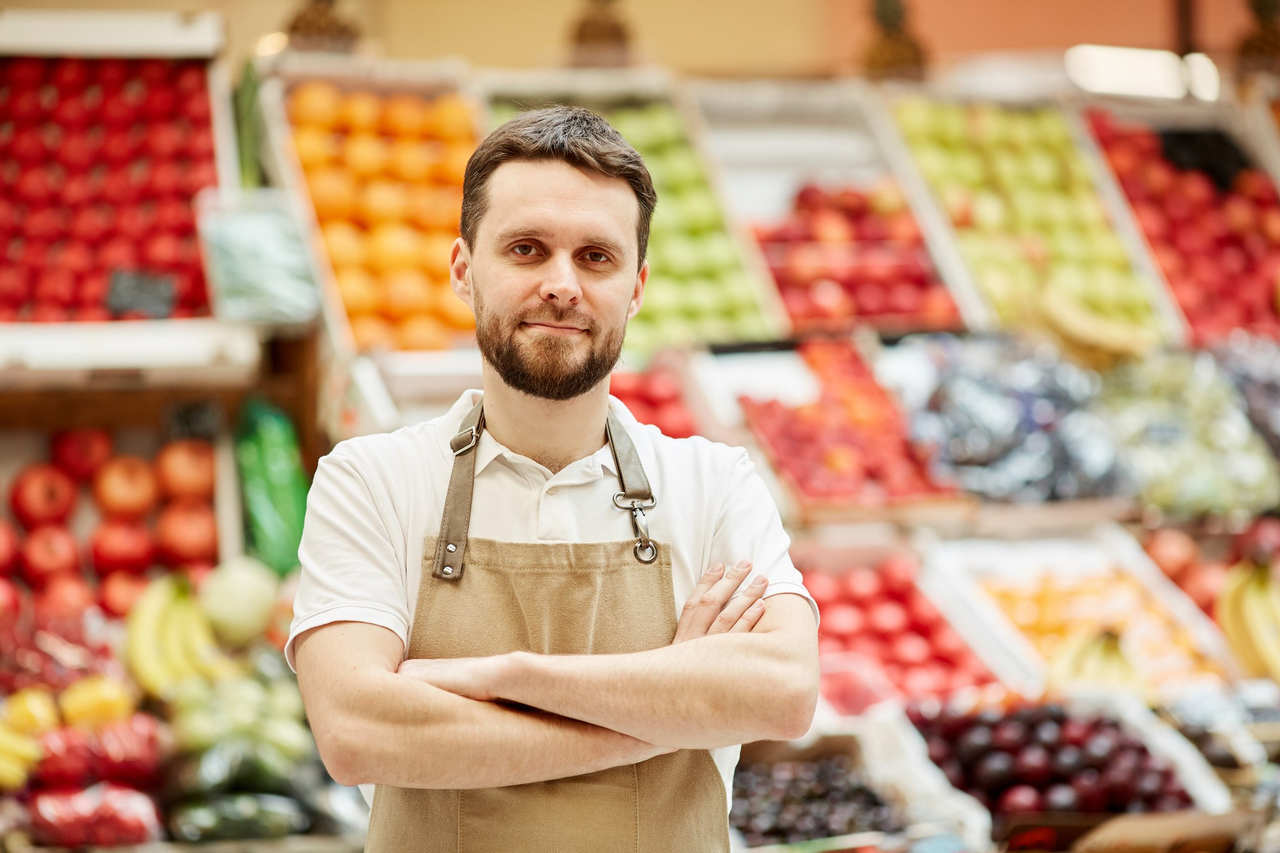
(488, 449)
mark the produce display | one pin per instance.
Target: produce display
(1254, 365)
(383, 169)
(1180, 558)
(792, 801)
(1038, 758)
(848, 447)
(1100, 629)
(1248, 606)
(701, 286)
(1029, 222)
(849, 254)
(1183, 433)
(101, 159)
(1009, 419)
(876, 612)
(655, 397)
(1210, 217)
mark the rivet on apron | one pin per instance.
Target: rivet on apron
(451, 548)
(448, 570)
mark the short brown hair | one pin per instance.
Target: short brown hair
(575, 135)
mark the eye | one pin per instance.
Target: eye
(595, 256)
(524, 250)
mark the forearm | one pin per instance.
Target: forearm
(709, 692)
(395, 730)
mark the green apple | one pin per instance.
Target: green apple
(719, 252)
(1042, 168)
(661, 297)
(700, 299)
(916, 118)
(665, 124)
(952, 124)
(934, 163)
(699, 210)
(1052, 129)
(989, 211)
(632, 124)
(677, 168)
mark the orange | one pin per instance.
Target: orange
(361, 112)
(452, 119)
(412, 160)
(315, 147)
(332, 192)
(382, 201)
(422, 331)
(364, 154)
(394, 246)
(315, 104)
(345, 244)
(436, 248)
(452, 310)
(435, 208)
(360, 291)
(405, 293)
(372, 332)
(453, 164)
(405, 115)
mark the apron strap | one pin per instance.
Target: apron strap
(636, 495)
(451, 544)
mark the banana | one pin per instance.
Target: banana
(19, 747)
(201, 648)
(173, 636)
(1067, 664)
(1260, 620)
(1229, 616)
(144, 646)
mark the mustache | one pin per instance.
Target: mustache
(556, 316)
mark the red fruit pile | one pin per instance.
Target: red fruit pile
(877, 614)
(847, 254)
(655, 397)
(1219, 251)
(126, 491)
(100, 159)
(1039, 758)
(848, 447)
(1179, 557)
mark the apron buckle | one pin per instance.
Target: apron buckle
(645, 550)
(464, 441)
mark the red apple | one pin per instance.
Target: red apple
(162, 252)
(125, 487)
(79, 191)
(186, 469)
(898, 572)
(163, 141)
(159, 103)
(166, 179)
(25, 71)
(74, 112)
(10, 603)
(41, 495)
(187, 533)
(199, 176)
(175, 215)
(10, 547)
(15, 286)
(1174, 551)
(56, 287)
(119, 592)
(91, 224)
(80, 452)
(49, 551)
(36, 185)
(121, 546)
(62, 602)
(28, 146)
(26, 107)
(118, 253)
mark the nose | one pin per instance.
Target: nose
(560, 283)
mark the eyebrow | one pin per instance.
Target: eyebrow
(537, 233)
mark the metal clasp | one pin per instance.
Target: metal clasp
(472, 435)
(645, 550)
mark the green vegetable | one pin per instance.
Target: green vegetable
(213, 771)
(238, 816)
(273, 484)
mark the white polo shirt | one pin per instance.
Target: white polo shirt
(376, 498)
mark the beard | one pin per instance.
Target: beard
(546, 366)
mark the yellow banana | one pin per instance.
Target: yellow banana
(1066, 665)
(174, 642)
(19, 747)
(13, 775)
(1260, 620)
(201, 648)
(144, 650)
(1229, 615)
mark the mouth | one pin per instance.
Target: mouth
(554, 328)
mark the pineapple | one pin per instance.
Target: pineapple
(1260, 49)
(895, 52)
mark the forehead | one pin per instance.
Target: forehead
(555, 197)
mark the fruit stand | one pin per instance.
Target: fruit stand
(1008, 365)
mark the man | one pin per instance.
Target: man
(503, 620)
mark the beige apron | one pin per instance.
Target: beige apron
(597, 598)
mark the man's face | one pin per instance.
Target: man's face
(553, 276)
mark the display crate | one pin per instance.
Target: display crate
(201, 351)
(456, 365)
(1016, 256)
(1093, 554)
(804, 171)
(725, 292)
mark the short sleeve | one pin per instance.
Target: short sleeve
(350, 568)
(750, 528)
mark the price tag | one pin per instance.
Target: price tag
(150, 294)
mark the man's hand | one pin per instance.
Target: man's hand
(714, 609)
(473, 678)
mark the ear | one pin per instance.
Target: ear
(460, 271)
(637, 295)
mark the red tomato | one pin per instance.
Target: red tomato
(887, 618)
(924, 615)
(949, 645)
(862, 585)
(911, 649)
(842, 620)
(898, 574)
(824, 588)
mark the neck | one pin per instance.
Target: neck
(553, 433)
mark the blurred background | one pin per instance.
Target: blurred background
(990, 291)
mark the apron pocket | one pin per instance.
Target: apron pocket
(592, 813)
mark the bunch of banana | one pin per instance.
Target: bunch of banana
(19, 753)
(169, 641)
(1094, 657)
(1248, 611)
